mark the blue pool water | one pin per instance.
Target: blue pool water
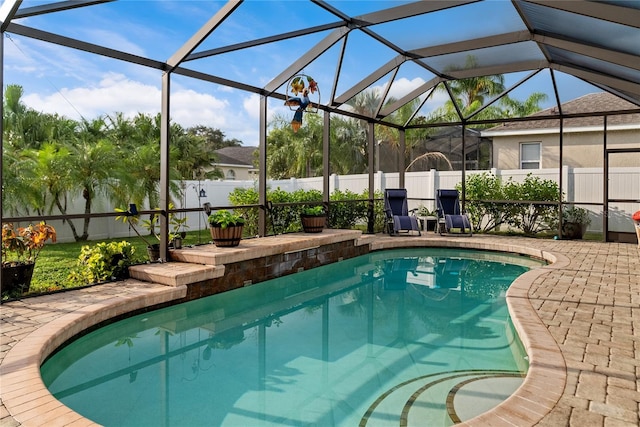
(391, 338)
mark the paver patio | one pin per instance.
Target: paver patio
(579, 319)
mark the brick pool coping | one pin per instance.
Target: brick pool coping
(582, 370)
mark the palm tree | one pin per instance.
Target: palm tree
(295, 154)
(51, 179)
(195, 156)
(93, 162)
(348, 146)
(513, 108)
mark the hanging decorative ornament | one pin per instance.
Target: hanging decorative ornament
(299, 90)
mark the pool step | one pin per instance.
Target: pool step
(442, 399)
(193, 264)
(175, 273)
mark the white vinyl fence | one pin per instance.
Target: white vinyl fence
(583, 185)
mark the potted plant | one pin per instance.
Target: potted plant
(226, 228)
(20, 250)
(313, 219)
(153, 249)
(428, 218)
(176, 234)
(574, 222)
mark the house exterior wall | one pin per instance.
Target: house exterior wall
(241, 172)
(580, 149)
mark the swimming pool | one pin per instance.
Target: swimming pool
(395, 335)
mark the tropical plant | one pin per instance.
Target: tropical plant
(177, 225)
(470, 97)
(92, 161)
(295, 154)
(102, 262)
(224, 218)
(575, 214)
(25, 243)
(425, 211)
(314, 211)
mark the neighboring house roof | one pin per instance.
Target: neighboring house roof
(591, 103)
(238, 156)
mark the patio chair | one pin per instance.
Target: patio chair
(450, 219)
(399, 218)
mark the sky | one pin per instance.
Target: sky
(78, 85)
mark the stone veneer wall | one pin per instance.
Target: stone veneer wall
(244, 273)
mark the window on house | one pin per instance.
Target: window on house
(231, 174)
(530, 155)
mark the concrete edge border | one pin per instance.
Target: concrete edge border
(24, 394)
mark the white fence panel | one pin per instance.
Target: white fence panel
(587, 185)
(624, 183)
(354, 183)
(283, 184)
(421, 186)
(307, 184)
(448, 179)
(581, 185)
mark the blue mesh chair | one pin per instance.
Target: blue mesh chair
(397, 212)
(450, 219)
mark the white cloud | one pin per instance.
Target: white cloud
(190, 108)
(251, 105)
(403, 86)
(116, 93)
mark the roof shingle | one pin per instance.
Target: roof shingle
(591, 103)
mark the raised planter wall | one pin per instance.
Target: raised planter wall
(248, 272)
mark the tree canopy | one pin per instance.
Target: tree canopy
(49, 160)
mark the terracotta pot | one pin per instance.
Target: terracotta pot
(17, 278)
(226, 237)
(313, 223)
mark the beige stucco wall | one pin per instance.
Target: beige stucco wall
(242, 172)
(580, 149)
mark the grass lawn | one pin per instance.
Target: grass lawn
(56, 261)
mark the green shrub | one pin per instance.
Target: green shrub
(246, 196)
(348, 213)
(485, 216)
(102, 262)
(347, 209)
(529, 217)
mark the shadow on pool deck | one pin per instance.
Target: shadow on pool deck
(578, 318)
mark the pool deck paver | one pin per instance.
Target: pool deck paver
(579, 319)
